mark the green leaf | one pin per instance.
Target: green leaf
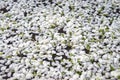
(71, 54)
(92, 60)
(106, 15)
(78, 60)
(112, 68)
(62, 14)
(9, 56)
(88, 47)
(118, 77)
(62, 34)
(93, 40)
(71, 8)
(79, 72)
(102, 31)
(70, 33)
(63, 73)
(113, 35)
(98, 64)
(101, 9)
(54, 25)
(110, 52)
(67, 20)
(34, 73)
(1, 53)
(111, 21)
(107, 29)
(83, 38)
(2, 29)
(41, 62)
(65, 41)
(52, 35)
(8, 15)
(21, 34)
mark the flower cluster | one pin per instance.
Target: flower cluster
(59, 40)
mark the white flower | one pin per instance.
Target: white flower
(116, 2)
(3, 68)
(75, 77)
(35, 62)
(115, 73)
(29, 75)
